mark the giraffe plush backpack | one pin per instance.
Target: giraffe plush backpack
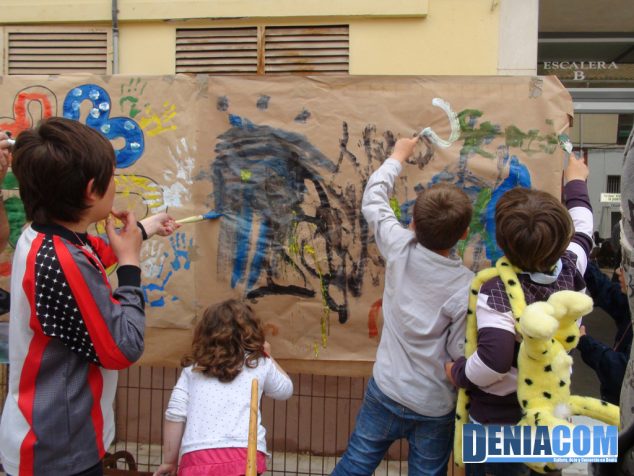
(549, 331)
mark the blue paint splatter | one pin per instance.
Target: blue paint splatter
(519, 176)
(99, 119)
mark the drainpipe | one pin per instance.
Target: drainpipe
(115, 38)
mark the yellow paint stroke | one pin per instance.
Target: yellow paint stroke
(245, 175)
(293, 242)
(133, 190)
(325, 316)
(153, 124)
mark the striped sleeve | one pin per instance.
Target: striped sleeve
(580, 209)
(494, 355)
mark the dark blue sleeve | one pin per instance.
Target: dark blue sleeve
(606, 294)
(608, 364)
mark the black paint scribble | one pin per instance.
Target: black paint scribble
(302, 116)
(264, 175)
(223, 103)
(263, 102)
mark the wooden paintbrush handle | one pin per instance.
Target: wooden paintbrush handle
(252, 448)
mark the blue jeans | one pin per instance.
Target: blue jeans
(380, 422)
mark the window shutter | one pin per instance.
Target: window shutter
(317, 49)
(217, 50)
(58, 51)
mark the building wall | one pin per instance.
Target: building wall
(603, 162)
(421, 37)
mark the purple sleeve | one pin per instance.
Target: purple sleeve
(459, 374)
(576, 197)
(496, 351)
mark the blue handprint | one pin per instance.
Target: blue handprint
(181, 249)
(99, 119)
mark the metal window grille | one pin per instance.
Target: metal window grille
(217, 50)
(306, 434)
(263, 50)
(57, 51)
(613, 184)
(322, 49)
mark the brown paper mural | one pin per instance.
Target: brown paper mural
(282, 161)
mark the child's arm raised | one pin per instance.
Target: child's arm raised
(578, 204)
(277, 384)
(376, 199)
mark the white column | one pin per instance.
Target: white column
(517, 49)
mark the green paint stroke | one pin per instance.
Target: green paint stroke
(17, 218)
(476, 227)
(396, 207)
(477, 135)
(325, 317)
(10, 182)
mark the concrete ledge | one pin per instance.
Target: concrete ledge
(60, 11)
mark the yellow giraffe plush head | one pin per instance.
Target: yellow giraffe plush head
(549, 331)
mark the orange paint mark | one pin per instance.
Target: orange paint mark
(20, 113)
(271, 328)
(373, 330)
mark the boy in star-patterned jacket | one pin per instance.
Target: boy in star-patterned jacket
(69, 331)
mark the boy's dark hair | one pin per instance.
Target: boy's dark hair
(228, 336)
(533, 228)
(442, 213)
(54, 163)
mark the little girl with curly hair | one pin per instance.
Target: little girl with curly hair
(207, 417)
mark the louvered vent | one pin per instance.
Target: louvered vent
(58, 52)
(217, 50)
(318, 49)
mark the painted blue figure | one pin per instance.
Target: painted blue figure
(518, 176)
(261, 177)
(99, 119)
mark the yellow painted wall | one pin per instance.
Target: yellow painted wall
(421, 37)
(456, 37)
(147, 48)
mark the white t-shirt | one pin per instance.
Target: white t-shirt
(216, 414)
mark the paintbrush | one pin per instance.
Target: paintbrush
(196, 218)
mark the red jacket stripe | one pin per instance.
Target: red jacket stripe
(95, 381)
(26, 392)
(106, 348)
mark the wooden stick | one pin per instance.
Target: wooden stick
(252, 448)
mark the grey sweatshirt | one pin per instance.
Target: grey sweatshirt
(424, 307)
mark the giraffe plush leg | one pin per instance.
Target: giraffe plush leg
(594, 408)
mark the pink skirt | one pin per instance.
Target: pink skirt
(218, 462)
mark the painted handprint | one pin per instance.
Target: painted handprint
(182, 249)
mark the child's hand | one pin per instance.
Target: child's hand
(160, 224)
(166, 469)
(448, 367)
(576, 170)
(404, 148)
(127, 243)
